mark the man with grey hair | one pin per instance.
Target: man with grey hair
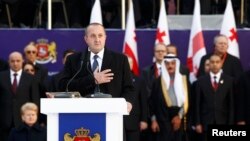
(230, 64)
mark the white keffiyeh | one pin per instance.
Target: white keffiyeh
(178, 82)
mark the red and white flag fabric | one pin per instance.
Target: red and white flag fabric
(228, 28)
(130, 44)
(96, 13)
(162, 34)
(196, 47)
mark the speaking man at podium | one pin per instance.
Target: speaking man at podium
(98, 69)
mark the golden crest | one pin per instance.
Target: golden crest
(82, 135)
(46, 51)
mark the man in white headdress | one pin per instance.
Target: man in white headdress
(170, 101)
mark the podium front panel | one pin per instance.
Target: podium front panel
(67, 115)
(82, 127)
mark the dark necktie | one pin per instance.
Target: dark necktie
(95, 63)
(215, 84)
(14, 84)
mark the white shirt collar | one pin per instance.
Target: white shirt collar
(158, 65)
(218, 75)
(18, 72)
(99, 59)
(100, 54)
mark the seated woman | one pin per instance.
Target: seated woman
(30, 130)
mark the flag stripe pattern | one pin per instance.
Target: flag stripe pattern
(130, 44)
(196, 48)
(228, 28)
(162, 34)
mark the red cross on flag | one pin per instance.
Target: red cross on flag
(228, 28)
(196, 47)
(96, 13)
(130, 44)
(162, 34)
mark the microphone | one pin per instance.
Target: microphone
(67, 86)
(97, 93)
(68, 94)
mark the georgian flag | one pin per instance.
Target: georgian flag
(162, 34)
(96, 13)
(228, 28)
(130, 44)
(196, 47)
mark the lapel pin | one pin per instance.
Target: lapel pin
(221, 81)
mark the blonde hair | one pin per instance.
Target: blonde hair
(29, 106)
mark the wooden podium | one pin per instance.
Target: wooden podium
(70, 119)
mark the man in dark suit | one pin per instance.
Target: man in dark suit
(110, 70)
(30, 53)
(41, 73)
(153, 71)
(149, 74)
(214, 97)
(137, 120)
(230, 64)
(16, 88)
(242, 100)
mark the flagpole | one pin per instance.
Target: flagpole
(242, 11)
(49, 15)
(123, 14)
(178, 7)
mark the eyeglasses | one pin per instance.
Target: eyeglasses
(160, 51)
(29, 52)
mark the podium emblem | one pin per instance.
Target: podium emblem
(82, 135)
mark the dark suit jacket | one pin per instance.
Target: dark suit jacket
(54, 82)
(24, 132)
(27, 91)
(232, 66)
(214, 106)
(242, 98)
(148, 75)
(140, 106)
(41, 73)
(3, 65)
(84, 82)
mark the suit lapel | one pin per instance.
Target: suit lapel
(208, 81)
(107, 59)
(8, 80)
(21, 81)
(106, 64)
(220, 83)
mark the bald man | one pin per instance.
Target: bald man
(16, 88)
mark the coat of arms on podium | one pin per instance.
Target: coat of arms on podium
(82, 135)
